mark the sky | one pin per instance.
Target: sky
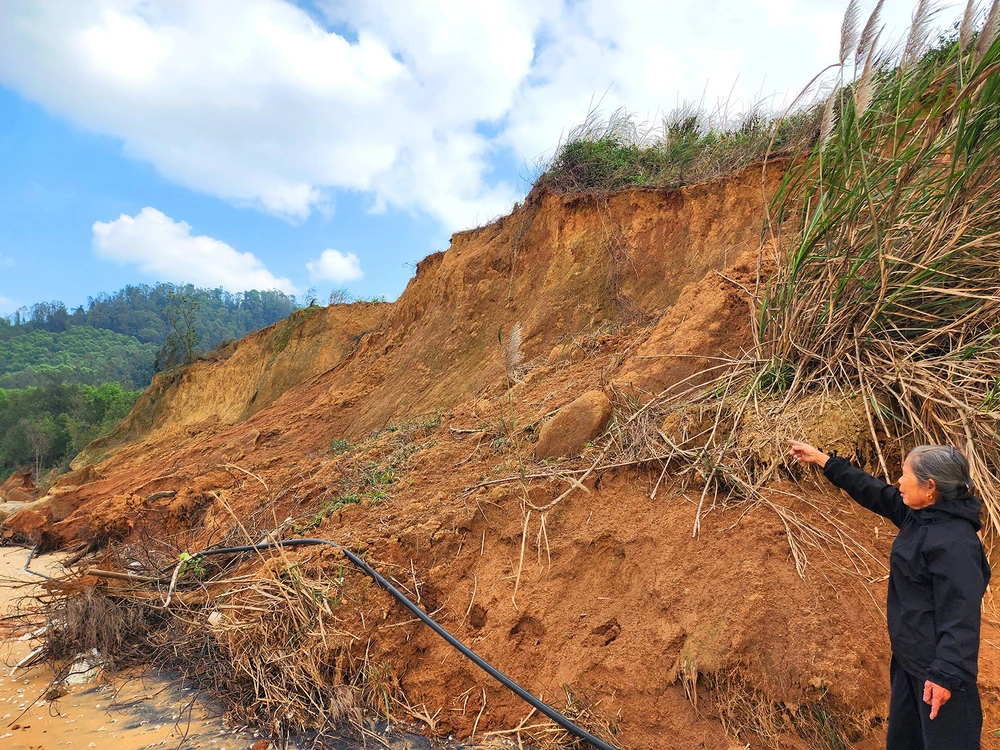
(333, 144)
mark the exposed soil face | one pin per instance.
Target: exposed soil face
(392, 428)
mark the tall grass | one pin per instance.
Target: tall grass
(886, 239)
(889, 280)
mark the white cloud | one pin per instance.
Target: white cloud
(335, 266)
(252, 101)
(255, 102)
(166, 250)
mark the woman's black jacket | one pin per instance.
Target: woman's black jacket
(937, 577)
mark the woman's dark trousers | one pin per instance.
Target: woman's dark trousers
(956, 727)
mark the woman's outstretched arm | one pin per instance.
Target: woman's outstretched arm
(867, 491)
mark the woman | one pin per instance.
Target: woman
(937, 577)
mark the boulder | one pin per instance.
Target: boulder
(18, 488)
(86, 475)
(574, 426)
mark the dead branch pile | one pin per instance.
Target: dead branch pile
(273, 641)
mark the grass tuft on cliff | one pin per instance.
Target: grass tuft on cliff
(689, 146)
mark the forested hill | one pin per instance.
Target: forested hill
(127, 336)
(69, 376)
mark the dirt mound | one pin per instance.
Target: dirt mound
(18, 488)
(635, 602)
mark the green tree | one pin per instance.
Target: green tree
(40, 432)
(183, 339)
(43, 427)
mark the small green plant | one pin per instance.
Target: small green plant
(992, 398)
(191, 565)
(339, 446)
(776, 379)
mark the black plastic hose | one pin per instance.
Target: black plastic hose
(469, 654)
(35, 572)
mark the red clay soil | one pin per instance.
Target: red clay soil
(687, 641)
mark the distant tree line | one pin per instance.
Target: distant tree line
(140, 311)
(127, 336)
(44, 427)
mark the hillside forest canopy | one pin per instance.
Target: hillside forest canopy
(68, 376)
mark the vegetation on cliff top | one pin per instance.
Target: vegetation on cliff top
(689, 146)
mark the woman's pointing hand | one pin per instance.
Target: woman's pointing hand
(805, 453)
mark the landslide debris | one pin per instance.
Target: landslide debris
(616, 584)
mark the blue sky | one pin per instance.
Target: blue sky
(58, 179)
(334, 143)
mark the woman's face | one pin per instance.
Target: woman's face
(916, 494)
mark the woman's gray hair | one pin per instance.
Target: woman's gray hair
(946, 465)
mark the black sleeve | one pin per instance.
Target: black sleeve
(959, 584)
(867, 491)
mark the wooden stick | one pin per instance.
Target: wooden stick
(134, 577)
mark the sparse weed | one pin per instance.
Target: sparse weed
(582, 706)
(338, 503)
(374, 481)
(339, 446)
(426, 424)
(344, 297)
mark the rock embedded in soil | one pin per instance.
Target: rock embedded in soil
(574, 426)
